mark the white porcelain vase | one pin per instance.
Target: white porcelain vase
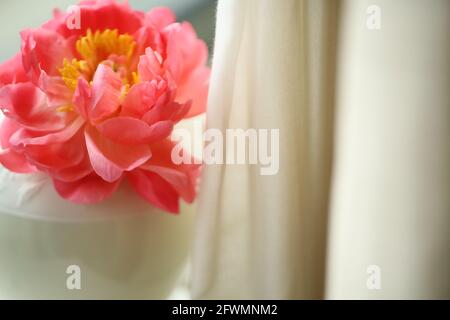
(124, 248)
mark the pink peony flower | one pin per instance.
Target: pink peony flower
(93, 106)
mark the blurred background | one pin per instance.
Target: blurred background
(16, 15)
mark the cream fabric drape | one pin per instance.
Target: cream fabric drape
(391, 188)
(364, 173)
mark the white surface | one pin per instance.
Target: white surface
(139, 253)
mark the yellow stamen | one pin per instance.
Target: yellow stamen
(98, 46)
(124, 92)
(67, 108)
(71, 71)
(136, 78)
(108, 47)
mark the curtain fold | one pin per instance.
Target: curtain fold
(303, 67)
(247, 222)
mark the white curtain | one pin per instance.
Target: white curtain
(363, 188)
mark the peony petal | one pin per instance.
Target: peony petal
(26, 104)
(133, 131)
(74, 173)
(160, 131)
(99, 15)
(183, 183)
(186, 60)
(8, 127)
(160, 17)
(11, 71)
(110, 159)
(56, 90)
(43, 50)
(27, 137)
(89, 190)
(150, 65)
(57, 156)
(146, 37)
(155, 190)
(10, 158)
(15, 162)
(82, 98)
(183, 178)
(185, 52)
(172, 111)
(106, 93)
(195, 88)
(140, 99)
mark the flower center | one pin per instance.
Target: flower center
(109, 47)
